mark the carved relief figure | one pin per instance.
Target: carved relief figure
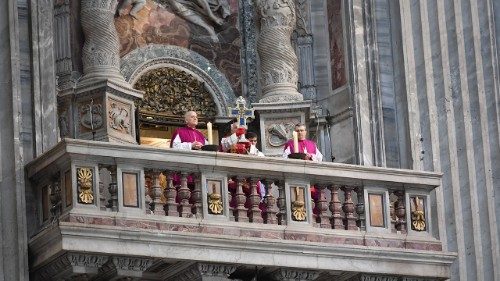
(204, 13)
(137, 5)
(119, 116)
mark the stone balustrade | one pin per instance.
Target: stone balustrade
(97, 186)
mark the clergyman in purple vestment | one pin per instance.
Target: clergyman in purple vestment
(188, 137)
(305, 146)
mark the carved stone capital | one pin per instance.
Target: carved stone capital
(70, 265)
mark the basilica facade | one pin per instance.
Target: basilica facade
(401, 97)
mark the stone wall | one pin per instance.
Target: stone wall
(452, 87)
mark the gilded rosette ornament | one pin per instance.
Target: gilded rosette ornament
(85, 184)
(417, 214)
(298, 206)
(215, 203)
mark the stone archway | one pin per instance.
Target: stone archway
(140, 61)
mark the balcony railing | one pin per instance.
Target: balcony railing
(84, 183)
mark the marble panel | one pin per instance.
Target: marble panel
(337, 50)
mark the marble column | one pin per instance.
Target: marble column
(281, 105)
(102, 106)
(278, 61)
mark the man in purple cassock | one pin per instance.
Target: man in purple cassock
(310, 149)
(305, 146)
(188, 137)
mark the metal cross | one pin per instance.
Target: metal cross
(241, 112)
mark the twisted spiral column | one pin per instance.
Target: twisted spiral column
(101, 58)
(278, 61)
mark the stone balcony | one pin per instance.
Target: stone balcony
(128, 212)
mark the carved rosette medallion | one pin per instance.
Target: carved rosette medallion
(101, 48)
(119, 114)
(172, 92)
(85, 185)
(278, 61)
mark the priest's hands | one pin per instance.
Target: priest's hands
(196, 145)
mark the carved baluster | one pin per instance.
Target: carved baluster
(281, 204)
(157, 192)
(360, 208)
(184, 195)
(113, 190)
(102, 196)
(240, 212)
(392, 211)
(254, 213)
(400, 211)
(270, 202)
(322, 207)
(336, 207)
(231, 208)
(148, 199)
(171, 194)
(348, 208)
(198, 204)
(315, 216)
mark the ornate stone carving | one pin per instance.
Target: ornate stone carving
(278, 61)
(200, 270)
(132, 263)
(279, 133)
(377, 278)
(85, 178)
(294, 274)
(86, 260)
(91, 115)
(203, 13)
(169, 91)
(101, 48)
(63, 124)
(303, 18)
(119, 116)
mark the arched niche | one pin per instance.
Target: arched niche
(174, 80)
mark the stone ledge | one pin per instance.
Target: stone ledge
(185, 245)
